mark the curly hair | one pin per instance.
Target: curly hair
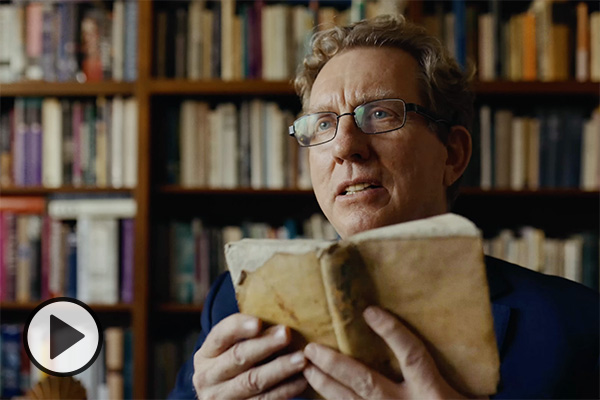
(443, 85)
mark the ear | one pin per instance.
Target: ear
(459, 150)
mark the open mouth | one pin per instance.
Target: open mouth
(361, 187)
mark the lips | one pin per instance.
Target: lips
(351, 188)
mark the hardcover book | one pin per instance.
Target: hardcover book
(430, 273)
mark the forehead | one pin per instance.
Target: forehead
(362, 74)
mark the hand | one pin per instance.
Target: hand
(347, 378)
(229, 363)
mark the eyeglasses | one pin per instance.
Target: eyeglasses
(374, 117)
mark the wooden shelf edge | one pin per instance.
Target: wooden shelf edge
(174, 308)
(537, 88)
(39, 88)
(218, 87)
(103, 308)
(42, 191)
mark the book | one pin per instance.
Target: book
(320, 289)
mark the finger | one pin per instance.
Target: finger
(229, 331)
(349, 372)
(286, 390)
(245, 354)
(264, 377)
(416, 363)
(326, 386)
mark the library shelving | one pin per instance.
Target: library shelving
(152, 315)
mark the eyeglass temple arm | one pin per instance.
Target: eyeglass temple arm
(426, 113)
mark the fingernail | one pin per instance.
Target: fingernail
(310, 350)
(371, 314)
(280, 333)
(298, 358)
(251, 325)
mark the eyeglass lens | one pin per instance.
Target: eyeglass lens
(374, 117)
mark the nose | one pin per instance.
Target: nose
(350, 143)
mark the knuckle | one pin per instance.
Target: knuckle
(237, 355)
(416, 356)
(251, 381)
(365, 385)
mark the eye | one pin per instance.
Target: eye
(379, 114)
(324, 124)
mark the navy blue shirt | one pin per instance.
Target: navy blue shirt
(546, 330)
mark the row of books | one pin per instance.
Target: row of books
(55, 142)
(80, 248)
(234, 40)
(575, 257)
(195, 251)
(258, 40)
(550, 41)
(109, 377)
(68, 41)
(549, 148)
(230, 146)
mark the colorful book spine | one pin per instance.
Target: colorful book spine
(127, 259)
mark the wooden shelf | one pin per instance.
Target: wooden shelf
(43, 191)
(40, 88)
(101, 308)
(260, 87)
(537, 88)
(218, 87)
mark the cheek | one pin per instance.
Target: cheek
(318, 171)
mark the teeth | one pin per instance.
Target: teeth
(356, 188)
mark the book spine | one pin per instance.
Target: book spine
(76, 151)
(18, 152)
(51, 143)
(71, 209)
(127, 259)
(3, 244)
(131, 41)
(11, 360)
(49, 42)
(118, 38)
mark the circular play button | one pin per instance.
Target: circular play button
(62, 336)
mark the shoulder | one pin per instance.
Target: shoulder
(565, 304)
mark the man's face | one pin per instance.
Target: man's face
(404, 169)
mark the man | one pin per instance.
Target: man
(386, 116)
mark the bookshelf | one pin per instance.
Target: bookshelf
(151, 315)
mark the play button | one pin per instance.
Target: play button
(62, 336)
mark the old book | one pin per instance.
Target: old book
(430, 273)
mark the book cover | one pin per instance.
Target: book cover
(321, 288)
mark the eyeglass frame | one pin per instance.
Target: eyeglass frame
(408, 107)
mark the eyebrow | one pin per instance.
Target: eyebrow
(377, 94)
